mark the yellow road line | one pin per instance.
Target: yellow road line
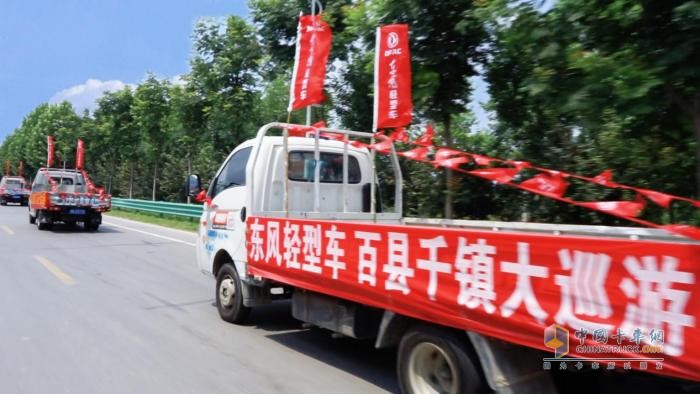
(7, 230)
(53, 268)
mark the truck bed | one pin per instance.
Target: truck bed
(512, 281)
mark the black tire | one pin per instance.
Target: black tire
(437, 360)
(43, 225)
(32, 219)
(229, 295)
(92, 222)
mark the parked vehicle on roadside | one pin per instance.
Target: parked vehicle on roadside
(66, 195)
(13, 189)
(470, 305)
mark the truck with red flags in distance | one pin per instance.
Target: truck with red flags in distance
(66, 195)
(14, 189)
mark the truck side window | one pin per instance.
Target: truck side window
(302, 166)
(233, 173)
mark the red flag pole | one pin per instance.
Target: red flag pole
(80, 155)
(50, 143)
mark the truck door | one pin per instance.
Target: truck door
(224, 226)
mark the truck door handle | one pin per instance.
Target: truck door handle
(243, 215)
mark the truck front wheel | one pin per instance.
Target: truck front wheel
(436, 360)
(229, 295)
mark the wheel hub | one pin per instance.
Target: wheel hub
(227, 289)
(431, 371)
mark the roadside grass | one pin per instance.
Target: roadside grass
(154, 218)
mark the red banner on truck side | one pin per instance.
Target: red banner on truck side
(584, 297)
(313, 46)
(393, 105)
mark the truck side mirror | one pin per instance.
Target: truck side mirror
(193, 185)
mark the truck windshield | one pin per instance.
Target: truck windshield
(302, 167)
(12, 183)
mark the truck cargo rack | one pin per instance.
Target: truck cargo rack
(372, 215)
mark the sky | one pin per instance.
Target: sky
(55, 50)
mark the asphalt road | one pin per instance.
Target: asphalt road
(125, 310)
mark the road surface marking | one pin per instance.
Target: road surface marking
(149, 233)
(51, 267)
(7, 230)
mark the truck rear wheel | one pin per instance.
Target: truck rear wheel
(44, 224)
(435, 360)
(92, 222)
(229, 295)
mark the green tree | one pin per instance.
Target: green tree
(225, 75)
(587, 86)
(150, 111)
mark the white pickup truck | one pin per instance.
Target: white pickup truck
(301, 218)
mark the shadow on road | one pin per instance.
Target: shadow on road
(61, 228)
(356, 357)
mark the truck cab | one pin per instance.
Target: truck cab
(276, 175)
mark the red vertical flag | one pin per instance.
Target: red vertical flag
(393, 106)
(80, 155)
(7, 167)
(20, 169)
(49, 160)
(313, 46)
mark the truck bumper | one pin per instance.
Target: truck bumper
(13, 198)
(71, 214)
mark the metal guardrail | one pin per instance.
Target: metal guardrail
(159, 207)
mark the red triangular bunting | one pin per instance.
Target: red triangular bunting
(482, 160)
(548, 184)
(519, 164)
(399, 134)
(620, 208)
(427, 138)
(332, 136)
(446, 153)
(605, 179)
(453, 162)
(499, 175)
(419, 153)
(383, 146)
(359, 144)
(684, 230)
(658, 198)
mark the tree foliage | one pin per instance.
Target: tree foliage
(582, 87)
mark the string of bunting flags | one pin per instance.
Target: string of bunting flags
(546, 182)
(393, 111)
